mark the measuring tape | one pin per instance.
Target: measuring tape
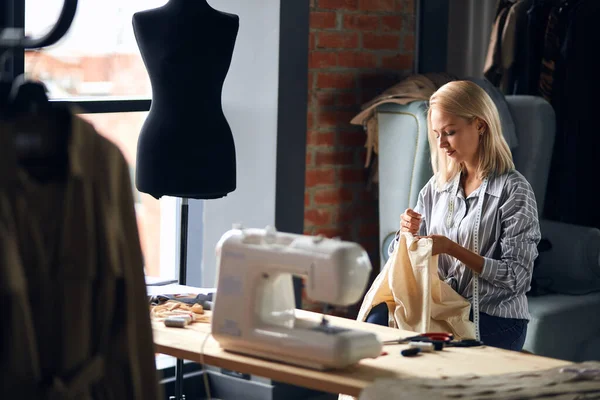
(449, 223)
(476, 250)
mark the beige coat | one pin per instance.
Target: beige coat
(501, 51)
(75, 317)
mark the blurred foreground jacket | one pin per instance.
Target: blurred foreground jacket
(75, 318)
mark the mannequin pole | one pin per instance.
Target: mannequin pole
(183, 238)
(183, 241)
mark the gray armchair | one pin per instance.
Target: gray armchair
(565, 320)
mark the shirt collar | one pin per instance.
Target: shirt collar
(447, 187)
(494, 186)
(80, 164)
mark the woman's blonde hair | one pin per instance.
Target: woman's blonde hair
(468, 100)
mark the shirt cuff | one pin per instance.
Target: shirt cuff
(490, 268)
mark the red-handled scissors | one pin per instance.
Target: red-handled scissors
(424, 337)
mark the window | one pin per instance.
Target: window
(97, 67)
(123, 129)
(98, 57)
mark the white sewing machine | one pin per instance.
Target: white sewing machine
(254, 309)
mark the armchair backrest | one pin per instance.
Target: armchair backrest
(404, 162)
(535, 125)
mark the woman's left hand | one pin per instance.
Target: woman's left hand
(441, 244)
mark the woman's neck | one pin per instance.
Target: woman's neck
(469, 174)
(470, 169)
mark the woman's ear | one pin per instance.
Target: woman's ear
(481, 125)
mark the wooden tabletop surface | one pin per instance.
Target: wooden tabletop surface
(195, 343)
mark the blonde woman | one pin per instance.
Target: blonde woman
(480, 212)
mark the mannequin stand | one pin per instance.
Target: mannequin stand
(183, 241)
(183, 238)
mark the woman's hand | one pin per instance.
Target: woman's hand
(441, 244)
(410, 221)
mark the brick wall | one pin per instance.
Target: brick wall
(357, 49)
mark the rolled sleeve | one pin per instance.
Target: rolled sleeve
(489, 269)
(518, 242)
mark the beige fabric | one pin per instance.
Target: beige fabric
(372, 144)
(76, 322)
(417, 299)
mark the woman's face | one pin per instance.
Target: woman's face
(456, 136)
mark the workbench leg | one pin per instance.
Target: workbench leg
(178, 381)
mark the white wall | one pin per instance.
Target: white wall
(250, 106)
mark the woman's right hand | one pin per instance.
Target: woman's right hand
(410, 221)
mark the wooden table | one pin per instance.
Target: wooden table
(188, 344)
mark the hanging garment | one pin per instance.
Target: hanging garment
(513, 45)
(514, 83)
(493, 68)
(537, 20)
(553, 41)
(75, 322)
(417, 299)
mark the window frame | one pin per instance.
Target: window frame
(13, 15)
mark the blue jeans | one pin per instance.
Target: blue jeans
(378, 315)
(505, 333)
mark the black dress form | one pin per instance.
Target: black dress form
(186, 148)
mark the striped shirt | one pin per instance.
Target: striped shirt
(508, 236)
